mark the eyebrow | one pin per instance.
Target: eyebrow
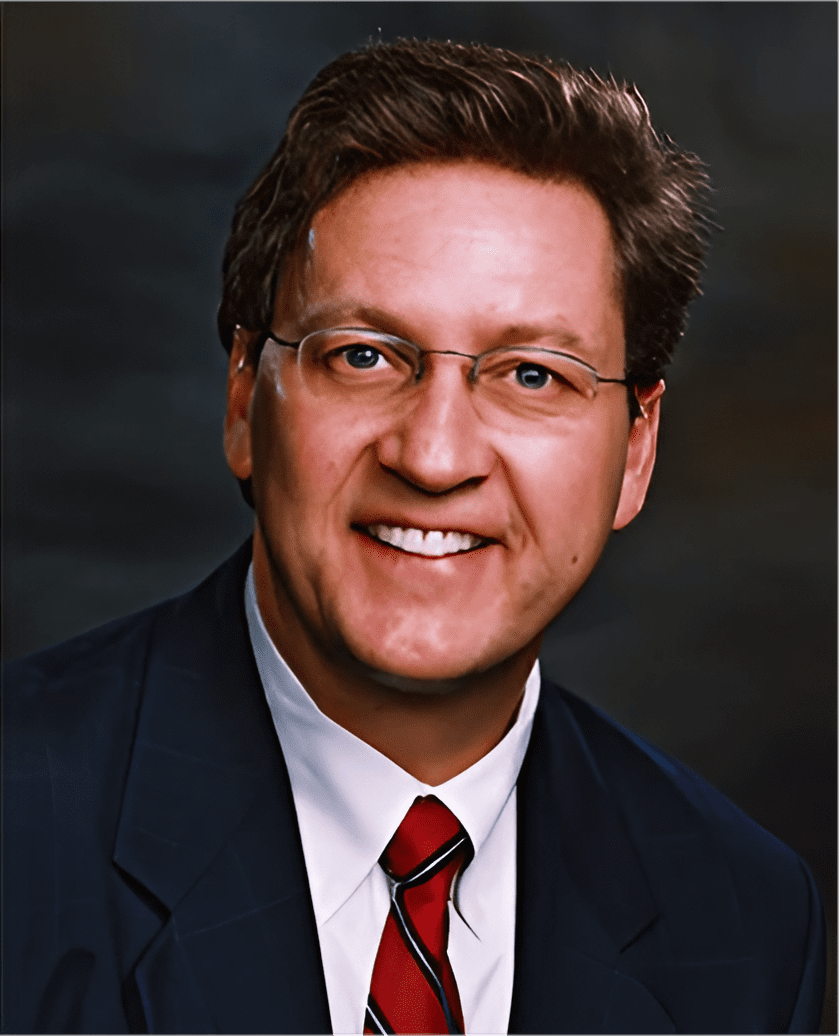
(348, 313)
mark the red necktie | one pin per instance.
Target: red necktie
(413, 987)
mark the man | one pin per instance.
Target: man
(327, 790)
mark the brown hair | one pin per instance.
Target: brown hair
(430, 101)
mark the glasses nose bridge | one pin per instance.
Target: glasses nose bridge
(444, 396)
(471, 374)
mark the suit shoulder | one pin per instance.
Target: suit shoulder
(110, 655)
(658, 796)
(732, 896)
(89, 688)
(70, 712)
(77, 670)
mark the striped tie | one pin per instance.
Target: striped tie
(413, 987)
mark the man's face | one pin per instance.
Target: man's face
(461, 257)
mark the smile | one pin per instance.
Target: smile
(432, 544)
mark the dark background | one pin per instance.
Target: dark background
(131, 130)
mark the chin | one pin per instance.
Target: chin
(425, 664)
(433, 686)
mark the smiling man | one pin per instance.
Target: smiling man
(327, 789)
(459, 504)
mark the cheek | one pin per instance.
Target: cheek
(602, 461)
(569, 493)
(273, 462)
(303, 454)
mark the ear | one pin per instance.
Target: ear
(640, 456)
(241, 378)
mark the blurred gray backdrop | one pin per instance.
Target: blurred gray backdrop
(131, 129)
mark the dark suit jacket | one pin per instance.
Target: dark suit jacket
(155, 880)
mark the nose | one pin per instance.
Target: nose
(437, 441)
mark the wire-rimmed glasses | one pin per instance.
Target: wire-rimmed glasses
(356, 364)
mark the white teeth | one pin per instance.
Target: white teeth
(412, 541)
(434, 544)
(384, 532)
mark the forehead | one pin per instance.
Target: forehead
(458, 244)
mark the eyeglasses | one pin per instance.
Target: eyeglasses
(358, 366)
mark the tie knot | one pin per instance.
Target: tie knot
(429, 833)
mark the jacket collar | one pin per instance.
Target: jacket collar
(208, 831)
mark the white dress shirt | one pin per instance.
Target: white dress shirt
(350, 799)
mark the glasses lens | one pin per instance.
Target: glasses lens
(356, 364)
(526, 379)
(348, 359)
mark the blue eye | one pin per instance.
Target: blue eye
(531, 376)
(362, 357)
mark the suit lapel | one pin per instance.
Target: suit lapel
(582, 894)
(209, 837)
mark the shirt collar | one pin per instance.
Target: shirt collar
(349, 797)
